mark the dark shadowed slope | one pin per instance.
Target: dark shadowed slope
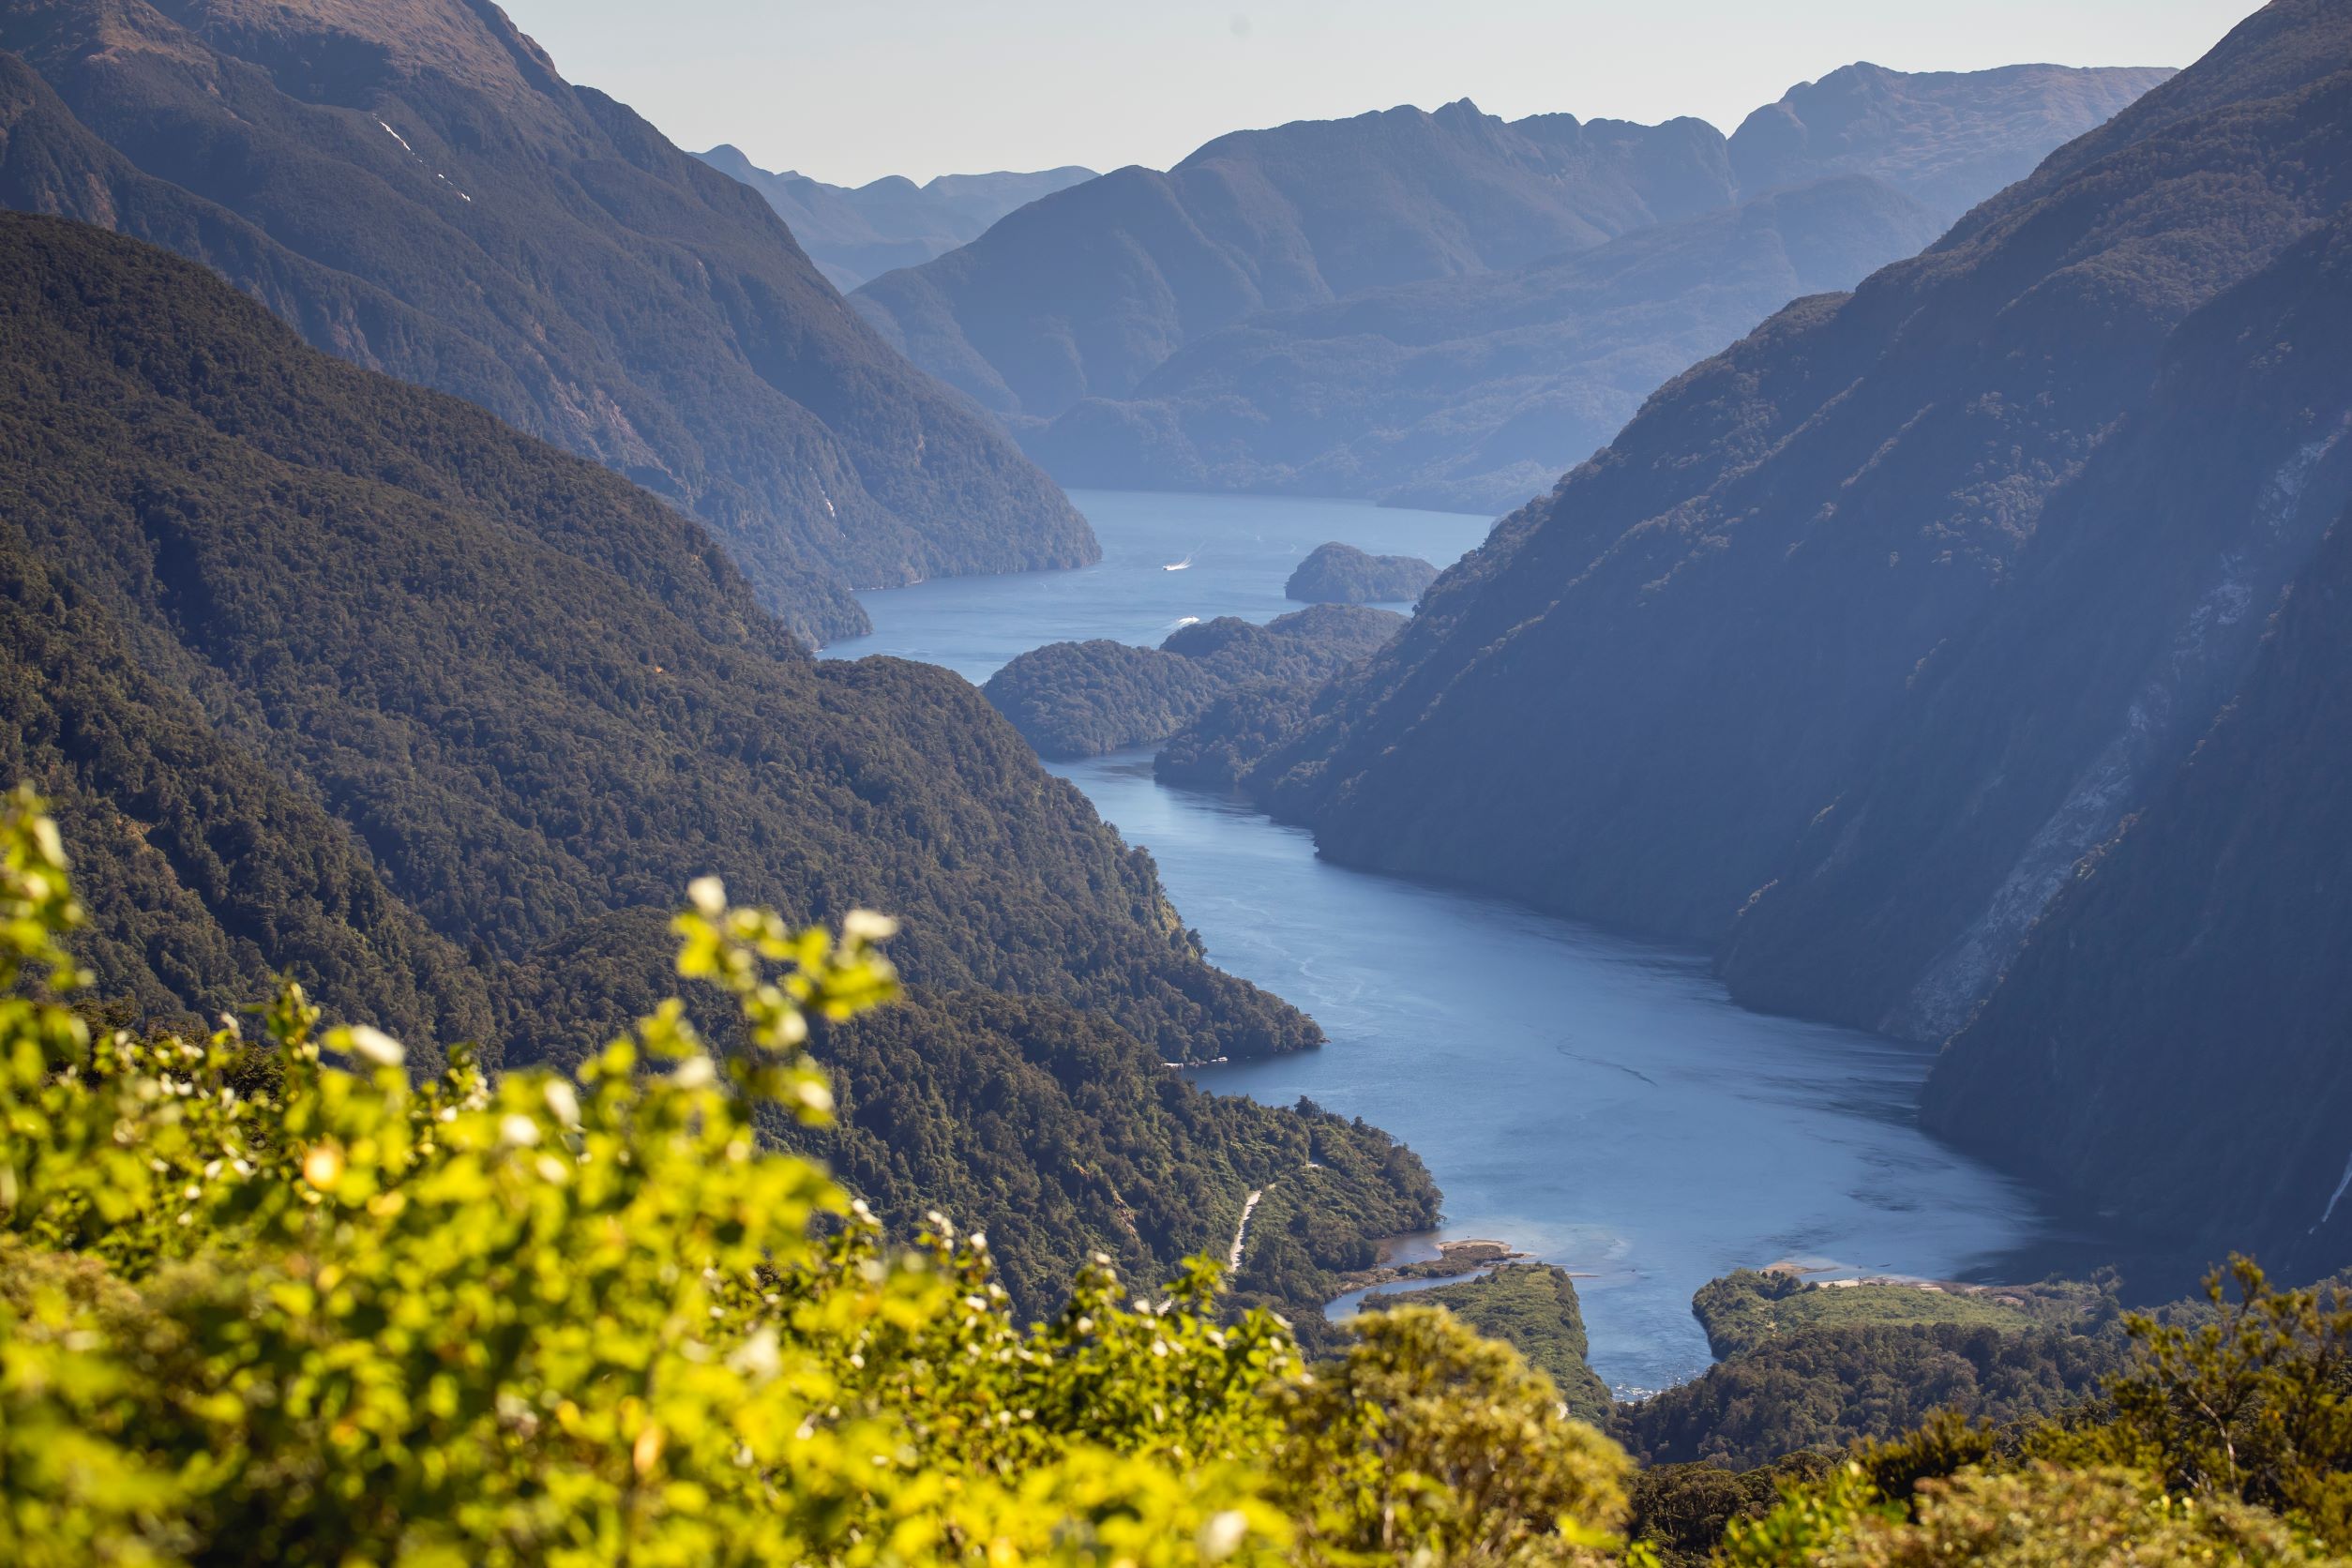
(1689, 649)
(341, 677)
(1874, 625)
(856, 232)
(2170, 1041)
(1083, 294)
(414, 187)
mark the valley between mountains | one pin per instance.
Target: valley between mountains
(1437, 839)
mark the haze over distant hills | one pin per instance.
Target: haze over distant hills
(1085, 292)
(854, 232)
(1447, 310)
(1473, 393)
(1967, 654)
(413, 185)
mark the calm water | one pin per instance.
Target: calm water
(1591, 1100)
(1241, 551)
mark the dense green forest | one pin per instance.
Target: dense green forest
(336, 677)
(1084, 699)
(414, 187)
(1534, 1307)
(1747, 1308)
(286, 1295)
(1342, 574)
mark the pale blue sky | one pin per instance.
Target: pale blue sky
(857, 89)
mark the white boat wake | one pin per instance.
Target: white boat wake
(1183, 565)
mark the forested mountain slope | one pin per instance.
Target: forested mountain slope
(1690, 648)
(341, 677)
(413, 185)
(854, 232)
(1874, 625)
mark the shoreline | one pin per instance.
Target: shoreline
(1453, 1261)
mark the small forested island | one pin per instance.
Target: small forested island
(1342, 574)
(1085, 698)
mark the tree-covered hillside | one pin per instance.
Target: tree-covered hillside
(1084, 699)
(1339, 573)
(339, 677)
(281, 1296)
(413, 185)
(1533, 1308)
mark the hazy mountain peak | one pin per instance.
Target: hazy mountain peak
(854, 232)
(1946, 137)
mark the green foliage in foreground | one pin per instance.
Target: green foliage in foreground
(1533, 1308)
(280, 1303)
(2226, 1437)
(1821, 1389)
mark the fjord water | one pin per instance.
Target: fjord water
(1595, 1101)
(1165, 559)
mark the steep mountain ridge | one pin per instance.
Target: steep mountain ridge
(1724, 606)
(2167, 1043)
(414, 187)
(1865, 631)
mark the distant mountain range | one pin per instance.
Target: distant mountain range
(1471, 394)
(854, 232)
(1447, 310)
(1967, 656)
(413, 185)
(1084, 293)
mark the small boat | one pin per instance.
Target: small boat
(1185, 565)
(1182, 620)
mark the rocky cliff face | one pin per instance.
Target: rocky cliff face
(2169, 1041)
(413, 185)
